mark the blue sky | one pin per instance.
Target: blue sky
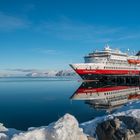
(50, 34)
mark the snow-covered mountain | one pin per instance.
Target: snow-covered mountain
(51, 73)
(36, 73)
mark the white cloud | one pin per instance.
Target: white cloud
(22, 70)
(127, 37)
(9, 22)
(47, 51)
(69, 30)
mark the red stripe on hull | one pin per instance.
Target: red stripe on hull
(107, 72)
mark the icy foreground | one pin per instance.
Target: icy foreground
(67, 127)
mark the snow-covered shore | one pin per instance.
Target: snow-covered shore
(132, 109)
(67, 127)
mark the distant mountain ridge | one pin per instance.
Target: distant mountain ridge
(52, 73)
(36, 73)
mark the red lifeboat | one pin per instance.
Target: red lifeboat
(133, 61)
(135, 96)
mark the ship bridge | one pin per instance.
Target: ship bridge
(105, 55)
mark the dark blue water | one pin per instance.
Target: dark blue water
(27, 102)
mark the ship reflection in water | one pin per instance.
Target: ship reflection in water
(108, 96)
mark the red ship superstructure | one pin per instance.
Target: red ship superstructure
(108, 62)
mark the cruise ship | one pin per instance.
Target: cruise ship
(108, 62)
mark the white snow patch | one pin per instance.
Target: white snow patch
(66, 128)
(37, 134)
(2, 128)
(3, 136)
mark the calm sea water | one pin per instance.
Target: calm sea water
(27, 102)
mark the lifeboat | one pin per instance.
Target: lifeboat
(135, 96)
(133, 61)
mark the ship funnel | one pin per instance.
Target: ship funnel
(138, 54)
